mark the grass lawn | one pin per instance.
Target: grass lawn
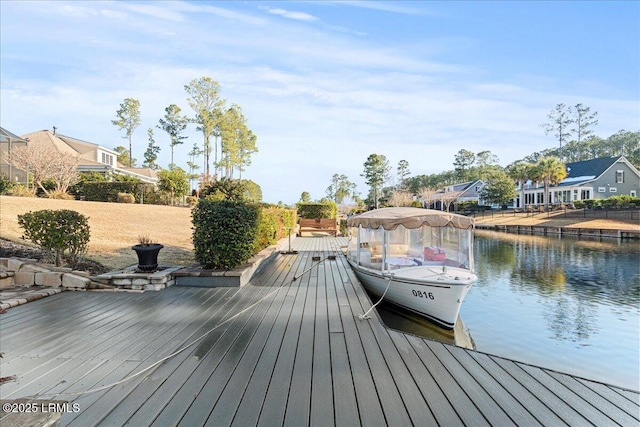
(115, 228)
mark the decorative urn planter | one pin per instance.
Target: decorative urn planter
(147, 256)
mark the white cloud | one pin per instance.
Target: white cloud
(320, 101)
(297, 16)
(160, 12)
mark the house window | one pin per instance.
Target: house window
(619, 177)
(613, 190)
(633, 193)
(107, 159)
(602, 190)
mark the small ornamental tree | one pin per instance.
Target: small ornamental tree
(62, 234)
(225, 189)
(174, 182)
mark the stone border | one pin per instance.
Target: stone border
(28, 272)
(23, 280)
(130, 278)
(238, 277)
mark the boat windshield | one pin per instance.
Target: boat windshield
(384, 250)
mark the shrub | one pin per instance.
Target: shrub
(267, 233)
(192, 200)
(225, 189)
(22, 191)
(224, 233)
(126, 198)
(317, 210)
(62, 195)
(274, 224)
(344, 229)
(621, 202)
(62, 234)
(579, 204)
(5, 184)
(590, 203)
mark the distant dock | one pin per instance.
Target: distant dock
(563, 231)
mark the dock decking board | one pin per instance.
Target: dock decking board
(295, 354)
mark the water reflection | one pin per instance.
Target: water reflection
(606, 271)
(563, 303)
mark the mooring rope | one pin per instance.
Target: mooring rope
(180, 350)
(366, 315)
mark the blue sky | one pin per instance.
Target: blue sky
(325, 84)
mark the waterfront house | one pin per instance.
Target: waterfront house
(462, 192)
(590, 179)
(93, 157)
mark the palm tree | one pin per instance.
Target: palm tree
(520, 171)
(550, 170)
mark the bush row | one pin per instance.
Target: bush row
(317, 210)
(103, 191)
(614, 202)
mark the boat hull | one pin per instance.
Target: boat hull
(436, 295)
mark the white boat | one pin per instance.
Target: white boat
(418, 259)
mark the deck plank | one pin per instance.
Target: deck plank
(492, 412)
(598, 409)
(514, 408)
(535, 381)
(250, 405)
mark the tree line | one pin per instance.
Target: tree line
(571, 126)
(224, 129)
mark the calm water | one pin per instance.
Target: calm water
(566, 304)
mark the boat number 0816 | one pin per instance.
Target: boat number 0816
(421, 294)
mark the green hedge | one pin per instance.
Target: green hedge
(273, 225)
(224, 233)
(227, 233)
(63, 234)
(317, 210)
(613, 202)
(102, 191)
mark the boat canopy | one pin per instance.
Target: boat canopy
(390, 218)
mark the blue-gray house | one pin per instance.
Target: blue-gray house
(590, 179)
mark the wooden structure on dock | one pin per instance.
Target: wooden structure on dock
(287, 349)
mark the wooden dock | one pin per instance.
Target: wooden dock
(275, 352)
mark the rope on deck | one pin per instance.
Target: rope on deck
(180, 350)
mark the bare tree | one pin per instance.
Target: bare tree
(449, 197)
(401, 198)
(427, 195)
(47, 163)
